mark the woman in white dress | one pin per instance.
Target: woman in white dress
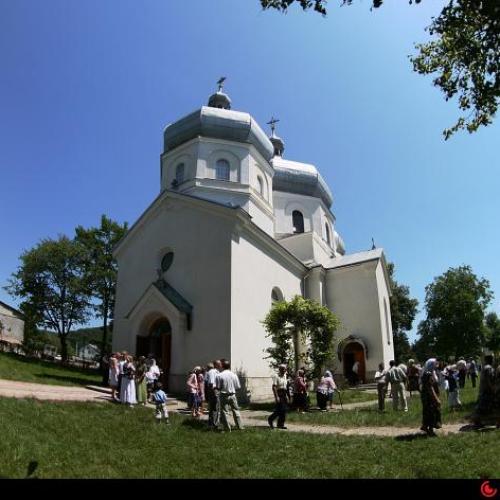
(127, 393)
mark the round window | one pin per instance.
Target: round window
(166, 262)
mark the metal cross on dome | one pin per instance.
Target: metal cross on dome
(273, 121)
(220, 83)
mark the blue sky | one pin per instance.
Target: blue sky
(87, 86)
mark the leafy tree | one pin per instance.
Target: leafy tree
(51, 283)
(492, 333)
(456, 303)
(288, 323)
(403, 311)
(100, 269)
(464, 55)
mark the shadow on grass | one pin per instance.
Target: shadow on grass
(193, 423)
(63, 378)
(412, 437)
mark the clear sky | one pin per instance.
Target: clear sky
(87, 86)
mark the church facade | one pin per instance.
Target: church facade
(235, 227)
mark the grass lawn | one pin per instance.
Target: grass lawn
(372, 417)
(88, 440)
(20, 368)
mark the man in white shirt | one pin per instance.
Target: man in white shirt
(227, 384)
(397, 378)
(212, 394)
(355, 370)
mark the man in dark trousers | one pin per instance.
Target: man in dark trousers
(281, 396)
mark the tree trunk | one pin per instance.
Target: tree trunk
(64, 349)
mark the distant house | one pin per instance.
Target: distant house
(11, 328)
(89, 352)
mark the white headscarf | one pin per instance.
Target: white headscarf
(430, 366)
(328, 373)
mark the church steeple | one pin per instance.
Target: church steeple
(219, 99)
(278, 144)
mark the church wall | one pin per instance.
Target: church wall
(352, 293)
(200, 272)
(385, 316)
(315, 215)
(254, 274)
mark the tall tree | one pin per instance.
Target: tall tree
(50, 281)
(456, 303)
(101, 269)
(464, 54)
(403, 311)
(492, 334)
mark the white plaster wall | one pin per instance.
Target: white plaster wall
(386, 325)
(309, 248)
(12, 325)
(353, 294)
(200, 272)
(255, 271)
(313, 209)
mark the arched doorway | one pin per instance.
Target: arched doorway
(354, 351)
(158, 342)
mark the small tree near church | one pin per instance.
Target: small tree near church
(301, 322)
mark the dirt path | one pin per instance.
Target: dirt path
(15, 389)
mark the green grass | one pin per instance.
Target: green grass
(372, 417)
(348, 396)
(20, 368)
(84, 440)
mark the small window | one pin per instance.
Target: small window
(166, 262)
(298, 221)
(277, 295)
(179, 173)
(328, 237)
(222, 170)
(261, 185)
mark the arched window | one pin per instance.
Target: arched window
(389, 333)
(166, 261)
(328, 237)
(261, 185)
(297, 221)
(276, 295)
(222, 170)
(179, 173)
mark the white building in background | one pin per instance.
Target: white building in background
(235, 227)
(11, 327)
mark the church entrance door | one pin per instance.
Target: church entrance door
(159, 344)
(353, 352)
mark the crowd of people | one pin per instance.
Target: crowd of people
(138, 381)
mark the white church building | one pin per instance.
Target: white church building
(235, 227)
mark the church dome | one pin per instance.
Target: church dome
(219, 124)
(219, 100)
(300, 178)
(278, 145)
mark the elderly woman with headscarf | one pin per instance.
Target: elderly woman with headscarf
(429, 393)
(325, 387)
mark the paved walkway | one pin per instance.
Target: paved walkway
(250, 418)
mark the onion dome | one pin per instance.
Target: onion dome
(219, 99)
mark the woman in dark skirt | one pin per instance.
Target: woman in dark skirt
(431, 404)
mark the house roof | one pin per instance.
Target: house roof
(12, 309)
